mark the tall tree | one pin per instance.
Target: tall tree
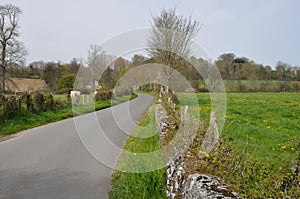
(225, 66)
(74, 66)
(170, 40)
(281, 70)
(119, 64)
(50, 75)
(12, 50)
(137, 60)
(97, 61)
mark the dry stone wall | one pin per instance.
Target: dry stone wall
(178, 183)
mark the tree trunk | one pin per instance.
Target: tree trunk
(2, 68)
(2, 78)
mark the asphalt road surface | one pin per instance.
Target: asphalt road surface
(51, 161)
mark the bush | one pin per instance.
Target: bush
(49, 102)
(29, 102)
(103, 95)
(10, 105)
(285, 86)
(66, 81)
(38, 100)
(121, 91)
(58, 104)
(296, 86)
(16, 105)
(63, 91)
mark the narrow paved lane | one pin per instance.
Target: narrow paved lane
(51, 161)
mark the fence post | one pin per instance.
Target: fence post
(212, 134)
(82, 99)
(186, 111)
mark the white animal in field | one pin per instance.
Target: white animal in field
(75, 95)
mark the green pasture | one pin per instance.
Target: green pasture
(269, 122)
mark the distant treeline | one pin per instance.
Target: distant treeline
(239, 73)
(244, 75)
(234, 68)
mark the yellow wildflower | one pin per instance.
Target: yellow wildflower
(205, 154)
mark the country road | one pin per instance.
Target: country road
(51, 161)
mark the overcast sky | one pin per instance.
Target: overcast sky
(265, 31)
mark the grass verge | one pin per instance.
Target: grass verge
(144, 184)
(27, 120)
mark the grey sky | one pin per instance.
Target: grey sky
(265, 31)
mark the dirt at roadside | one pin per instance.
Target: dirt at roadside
(6, 137)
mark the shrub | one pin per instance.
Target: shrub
(198, 90)
(296, 86)
(103, 95)
(121, 91)
(174, 99)
(38, 100)
(58, 104)
(29, 102)
(10, 105)
(63, 91)
(66, 81)
(49, 102)
(285, 86)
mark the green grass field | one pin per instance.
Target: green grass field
(260, 141)
(267, 121)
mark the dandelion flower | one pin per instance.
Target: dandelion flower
(205, 154)
(283, 147)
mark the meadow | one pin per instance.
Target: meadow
(259, 145)
(267, 121)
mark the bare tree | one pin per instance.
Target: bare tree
(170, 40)
(97, 61)
(12, 50)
